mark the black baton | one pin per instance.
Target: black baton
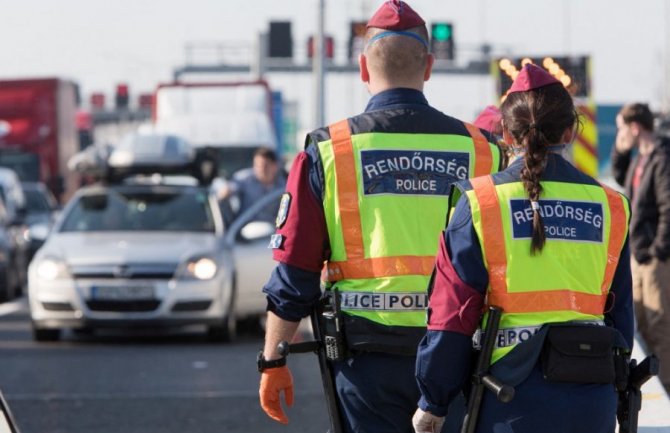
(318, 346)
(481, 377)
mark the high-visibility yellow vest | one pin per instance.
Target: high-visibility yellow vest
(569, 280)
(385, 202)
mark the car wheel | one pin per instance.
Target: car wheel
(41, 334)
(13, 284)
(251, 325)
(222, 333)
(5, 285)
(227, 330)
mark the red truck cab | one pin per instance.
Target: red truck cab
(38, 133)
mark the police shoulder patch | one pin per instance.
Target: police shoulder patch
(276, 241)
(282, 214)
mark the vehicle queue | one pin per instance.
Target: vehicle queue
(147, 246)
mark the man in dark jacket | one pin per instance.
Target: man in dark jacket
(646, 178)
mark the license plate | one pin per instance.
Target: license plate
(122, 293)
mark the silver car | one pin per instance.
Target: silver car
(149, 254)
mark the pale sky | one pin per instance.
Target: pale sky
(100, 43)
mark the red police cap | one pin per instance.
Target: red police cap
(489, 119)
(532, 77)
(395, 15)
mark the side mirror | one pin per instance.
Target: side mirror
(256, 230)
(38, 232)
(7, 423)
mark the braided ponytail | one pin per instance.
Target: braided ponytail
(535, 120)
(535, 160)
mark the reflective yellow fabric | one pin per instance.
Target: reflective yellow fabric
(568, 280)
(386, 243)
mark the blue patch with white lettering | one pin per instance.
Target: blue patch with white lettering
(566, 220)
(422, 172)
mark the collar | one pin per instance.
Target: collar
(555, 163)
(399, 96)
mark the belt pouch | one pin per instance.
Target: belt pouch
(579, 354)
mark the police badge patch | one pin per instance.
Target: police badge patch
(282, 214)
(275, 241)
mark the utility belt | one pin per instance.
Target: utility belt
(583, 353)
(507, 337)
(349, 334)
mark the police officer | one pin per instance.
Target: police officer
(489, 120)
(547, 244)
(368, 197)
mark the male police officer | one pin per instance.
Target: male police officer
(368, 197)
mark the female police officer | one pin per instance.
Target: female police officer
(547, 244)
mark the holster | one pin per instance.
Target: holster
(579, 354)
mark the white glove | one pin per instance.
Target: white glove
(426, 422)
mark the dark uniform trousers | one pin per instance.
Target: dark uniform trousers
(378, 394)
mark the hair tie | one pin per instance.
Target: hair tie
(535, 206)
(530, 126)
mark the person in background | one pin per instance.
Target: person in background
(251, 184)
(490, 119)
(368, 197)
(548, 245)
(646, 179)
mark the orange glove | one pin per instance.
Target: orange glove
(273, 381)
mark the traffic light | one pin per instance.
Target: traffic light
(328, 47)
(442, 41)
(573, 72)
(97, 101)
(145, 101)
(357, 31)
(280, 40)
(121, 97)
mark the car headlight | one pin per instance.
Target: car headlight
(201, 268)
(51, 268)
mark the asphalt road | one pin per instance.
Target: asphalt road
(151, 382)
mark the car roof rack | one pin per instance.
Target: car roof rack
(146, 154)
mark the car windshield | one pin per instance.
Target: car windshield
(173, 210)
(36, 201)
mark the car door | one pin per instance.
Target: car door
(249, 240)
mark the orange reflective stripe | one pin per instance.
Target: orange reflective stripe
(356, 265)
(347, 189)
(550, 300)
(483, 157)
(380, 267)
(492, 232)
(617, 236)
